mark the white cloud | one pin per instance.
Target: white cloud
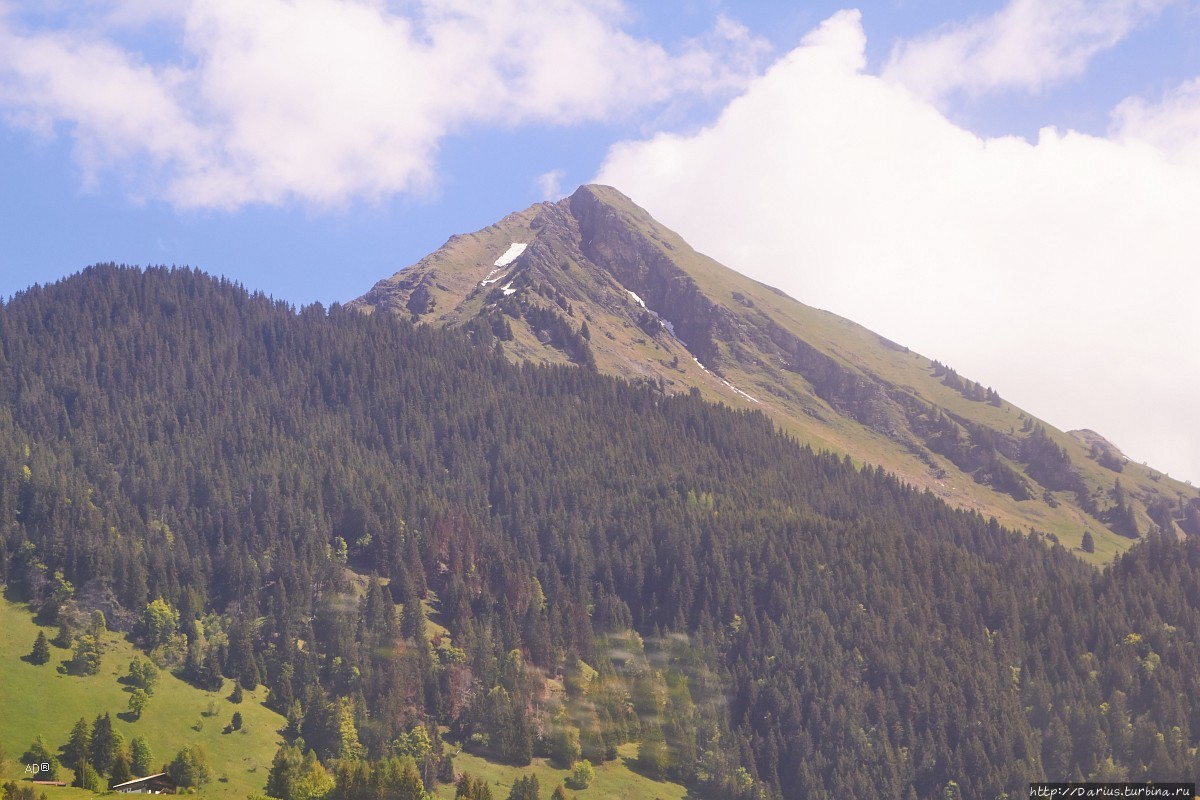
(1171, 125)
(1061, 271)
(1026, 45)
(323, 101)
(120, 109)
(549, 184)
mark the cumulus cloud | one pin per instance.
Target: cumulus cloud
(1026, 45)
(1171, 125)
(1061, 271)
(549, 184)
(119, 108)
(323, 101)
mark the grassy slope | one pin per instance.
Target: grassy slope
(38, 700)
(614, 781)
(862, 350)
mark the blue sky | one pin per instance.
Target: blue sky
(1008, 186)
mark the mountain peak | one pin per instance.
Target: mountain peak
(594, 280)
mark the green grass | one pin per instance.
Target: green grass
(39, 700)
(614, 780)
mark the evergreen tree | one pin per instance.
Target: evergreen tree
(525, 788)
(41, 649)
(104, 744)
(78, 749)
(122, 771)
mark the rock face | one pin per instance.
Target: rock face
(601, 284)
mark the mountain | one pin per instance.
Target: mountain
(416, 545)
(594, 280)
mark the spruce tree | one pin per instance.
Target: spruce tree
(78, 749)
(41, 649)
(104, 744)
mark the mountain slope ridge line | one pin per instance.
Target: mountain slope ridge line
(694, 324)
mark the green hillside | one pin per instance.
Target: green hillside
(610, 565)
(38, 700)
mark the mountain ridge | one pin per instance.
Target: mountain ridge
(602, 284)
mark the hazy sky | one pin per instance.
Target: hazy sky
(1012, 188)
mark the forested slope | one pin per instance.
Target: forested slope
(828, 630)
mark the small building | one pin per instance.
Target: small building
(162, 783)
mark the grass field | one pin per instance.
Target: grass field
(39, 700)
(614, 780)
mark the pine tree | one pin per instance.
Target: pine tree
(525, 788)
(78, 749)
(41, 649)
(104, 746)
(412, 617)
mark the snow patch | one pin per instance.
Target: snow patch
(507, 289)
(729, 385)
(639, 300)
(510, 255)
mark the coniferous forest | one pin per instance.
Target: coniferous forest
(278, 496)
